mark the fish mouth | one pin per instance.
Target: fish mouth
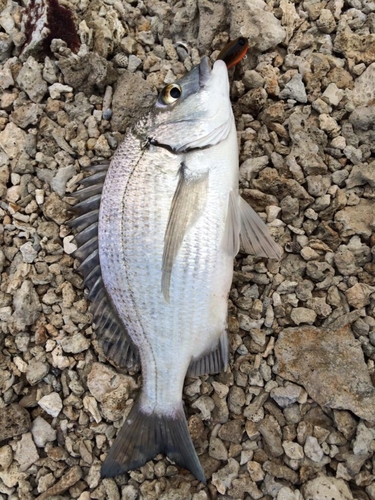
(205, 68)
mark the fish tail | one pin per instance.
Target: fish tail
(145, 435)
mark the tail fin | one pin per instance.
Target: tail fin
(143, 436)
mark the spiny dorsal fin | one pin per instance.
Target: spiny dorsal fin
(110, 331)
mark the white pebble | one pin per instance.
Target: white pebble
(51, 404)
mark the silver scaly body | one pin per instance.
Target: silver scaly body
(162, 245)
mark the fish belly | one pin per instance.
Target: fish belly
(134, 213)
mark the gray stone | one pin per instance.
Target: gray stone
(326, 488)
(27, 307)
(26, 453)
(361, 174)
(363, 440)
(31, 81)
(111, 389)
(301, 315)
(313, 449)
(222, 479)
(286, 396)
(294, 89)
(51, 404)
(357, 219)
(36, 371)
(363, 117)
(217, 449)
(62, 176)
(253, 21)
(29, 253)
(271, 434)
(12, 140)
(75, 343)
(329, 363)
(42, 432)
(293, 450)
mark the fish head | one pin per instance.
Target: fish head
(195, 111)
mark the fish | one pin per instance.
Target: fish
(157, 231)
(234, 51)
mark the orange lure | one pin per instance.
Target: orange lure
(234, 51)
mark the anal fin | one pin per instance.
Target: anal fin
(213, 362)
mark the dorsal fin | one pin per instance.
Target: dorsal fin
(110, 332)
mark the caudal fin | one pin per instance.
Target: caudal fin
(143, 436)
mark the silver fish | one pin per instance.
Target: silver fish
(156, 244)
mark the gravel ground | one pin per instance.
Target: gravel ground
(294, 416)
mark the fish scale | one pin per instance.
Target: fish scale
(167, 326)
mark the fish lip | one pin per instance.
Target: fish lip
(205, 68)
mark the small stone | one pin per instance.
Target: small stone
(14, 420)
(357, 219)
(363, 440)
(271, 433)
(326, 21)
(253, 20)
(69, 244)
(255, 471)
(353, 154)
(12, 140)
(134, 63)
(358, 295)
(313, 449)
(28, 251)
(6, 457)
(301, 315)
(222, 479)
(36, 371)
(332, 94)
(51, 404)
(293, 450)
(294, 89)
(111, 389)
(26, 453)
(30, 80)
(231, 431)
(57, 89)
(217, 449)
(326, 488)
(42, 432)
(62, 176)
(286, 396)
(75, 343)
(68, 480)
(286, 493)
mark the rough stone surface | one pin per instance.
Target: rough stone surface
(14, 420)
(326, 488)
(329, 364)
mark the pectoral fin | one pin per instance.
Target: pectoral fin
(187, 206)
(231, 240)
(255, 238)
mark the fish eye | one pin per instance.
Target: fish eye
(171, 93)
